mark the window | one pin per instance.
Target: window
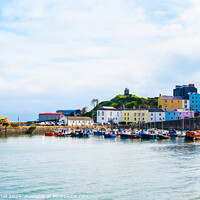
(185, 101)
(127, 118)
(102, 118)
(169, 114)
(143, 119)
(172, 101)
(98, 113)
(124, 118)
(135, 119)
(138, 114)
(102, 113)
(192, 97)
(142, 114)
(139, 119)
(110, 113)
(47, 117)
(127, 114)
(185, 106)
(174, 113)
(151, 119)
(172, 118)
(159, 114)
(41, 117)
(124, 114)
(134, 114)
(117, 114)
(165, 101)
(160, 118)
(151, 114)
(165, 106)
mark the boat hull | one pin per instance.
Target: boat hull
(50, 134)
(135, 136)
(125, 136)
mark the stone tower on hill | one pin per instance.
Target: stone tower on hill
(126, 92)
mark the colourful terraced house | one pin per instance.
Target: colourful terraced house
(170, 102)
(134, 116)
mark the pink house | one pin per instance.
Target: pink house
(182, 114)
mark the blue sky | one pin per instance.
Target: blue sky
(62, 54)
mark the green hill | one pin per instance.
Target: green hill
(121, 101)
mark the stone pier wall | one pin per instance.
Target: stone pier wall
(186, 124)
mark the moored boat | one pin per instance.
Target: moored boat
(125, 134)
(50, 134)
(163, 136)
(192, 135)
(135, 136)
(111, 134)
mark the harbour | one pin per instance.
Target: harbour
(99, 168)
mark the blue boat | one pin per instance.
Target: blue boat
(97, 133)
(147, 136)
(110, 136)
(173, 133)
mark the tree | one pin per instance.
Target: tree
(83, 110)
(95, 103)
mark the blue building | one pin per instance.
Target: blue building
(184, 90)
(50, 117)
(70, 112)
(194, 99)
(171, 115)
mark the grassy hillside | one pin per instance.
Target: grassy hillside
(128, 102)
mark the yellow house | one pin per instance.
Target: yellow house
(170, 102)
(134, 116)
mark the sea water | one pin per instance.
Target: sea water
(39, 167)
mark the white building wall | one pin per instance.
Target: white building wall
(104, 116)
(78, 122)
(156, 116)
(186, 104)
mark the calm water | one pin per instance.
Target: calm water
(71, 168)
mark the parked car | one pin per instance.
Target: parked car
(52, 123)
(41, 124)
(60, 123)
(47, 123)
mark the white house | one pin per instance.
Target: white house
(108, 114)
(156, 115)
(77, 121)
(186, 104)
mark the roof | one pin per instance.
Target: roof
(156, 110)
(50, 113)
(107, 108)
(171, 97)
(79, 118)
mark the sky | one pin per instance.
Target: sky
(60, 54)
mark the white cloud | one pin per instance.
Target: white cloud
(73, 48)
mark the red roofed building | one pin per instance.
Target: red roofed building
(50, 116)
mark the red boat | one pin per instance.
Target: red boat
(132, 136)
(192, 135)
(50, 134)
